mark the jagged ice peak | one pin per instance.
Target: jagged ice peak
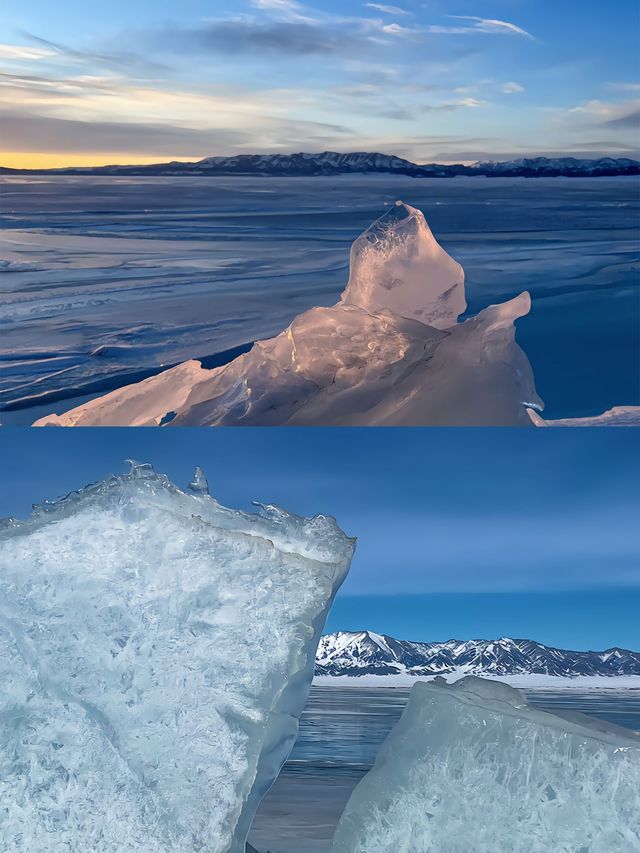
(398, 265)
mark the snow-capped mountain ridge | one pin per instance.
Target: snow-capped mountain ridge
(329, 160)
(367, 653)
(330, 163)
(564, 165)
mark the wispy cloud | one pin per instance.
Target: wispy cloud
(122, 60)
(26, 132)
(387, 10)
(396, 29)
(481, 25)
(471, 102)
(21, 51)
(33, 89)
(622, 115)
(119, 96)
(277, 5)
(114, 115)
(511, 88)
(631, 120)
(286, 38)
(288, 10)
(624, 87)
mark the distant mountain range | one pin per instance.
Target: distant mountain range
(367, 653)
(332, 163)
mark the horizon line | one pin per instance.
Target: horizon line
(136, 163)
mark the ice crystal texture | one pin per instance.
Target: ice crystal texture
(156, 650)
(398, 265)
(391, 352)
(474, 767)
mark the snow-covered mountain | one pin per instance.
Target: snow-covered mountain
(551, 166)
(360, 162)
(367, 653)
(326, 163)
(333, 163)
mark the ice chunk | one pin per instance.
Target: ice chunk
(391, 352)
(472, 766)
(618, 416)
(332, 365)
(398, 265)
(156, 650)
(144, 403)
(478, 376)
(199, 485)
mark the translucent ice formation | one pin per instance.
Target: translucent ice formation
(156, 650)
(474, 767)
(390, 352)
(398, 265)
(618, 416)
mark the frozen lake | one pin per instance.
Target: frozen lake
(106, 280)
(340, 732)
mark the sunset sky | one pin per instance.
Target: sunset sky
(432, 80)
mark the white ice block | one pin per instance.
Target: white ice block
(156, 650)
(473, 767)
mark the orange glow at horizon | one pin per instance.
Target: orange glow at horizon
(37, 160)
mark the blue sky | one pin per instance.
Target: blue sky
(480, 532)
(445, 80)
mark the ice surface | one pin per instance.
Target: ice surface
(390, 353)
(472, 766)
(156, 652)
(618, 416)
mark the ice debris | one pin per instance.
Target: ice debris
(199, 485)
(156, 650)
(620, 416)
(472, 766)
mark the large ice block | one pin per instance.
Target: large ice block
(156, 650)
(390, 352)
(473, 767)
